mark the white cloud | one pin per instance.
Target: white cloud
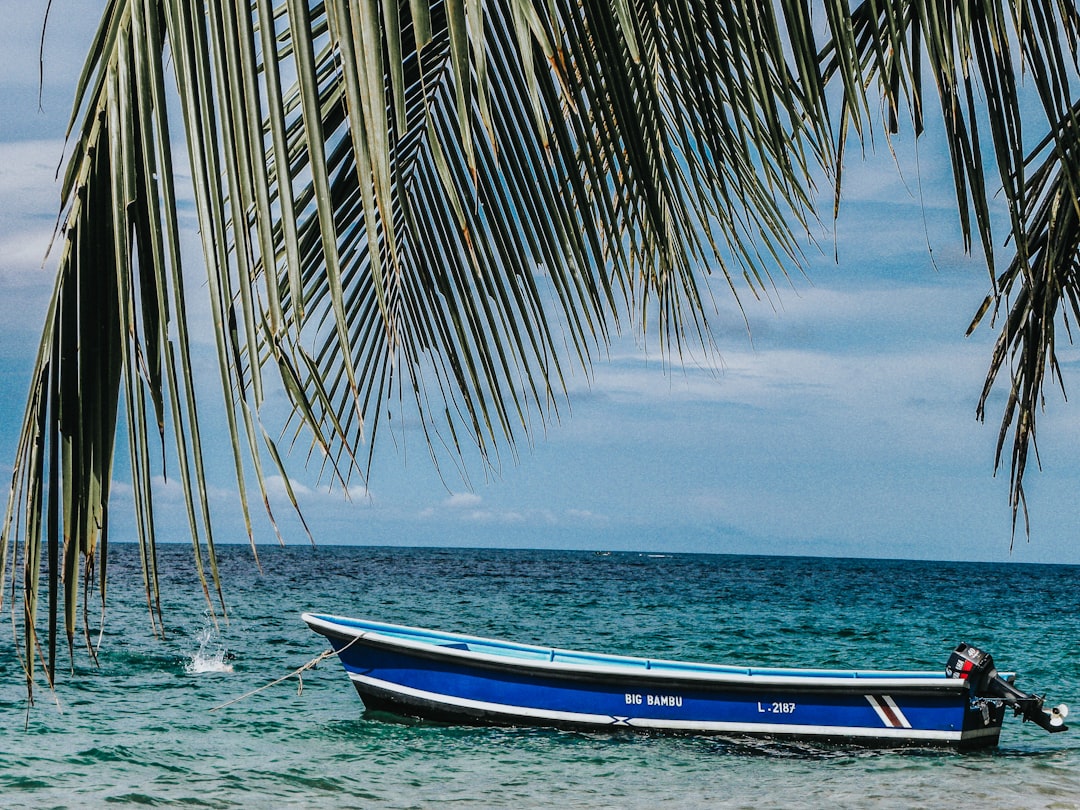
(29, 198)
(29, 168)
(25, 252)
(323, 493)
(462, 500)
(490, 516)
(586, 517)
(359, 492)
(169, 488)
(70, 29)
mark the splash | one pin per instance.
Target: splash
(211, 656)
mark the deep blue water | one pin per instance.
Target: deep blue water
(142, 729)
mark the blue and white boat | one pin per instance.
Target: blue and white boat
(465, 679)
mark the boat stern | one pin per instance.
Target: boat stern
(992, 693)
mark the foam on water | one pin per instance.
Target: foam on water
(210, 657)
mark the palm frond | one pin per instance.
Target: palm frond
(437, 207)
(975, 54)
(1036, 290)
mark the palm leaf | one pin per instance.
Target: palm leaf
(976, 50)
(435, 207)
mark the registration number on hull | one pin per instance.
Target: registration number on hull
(775, 708)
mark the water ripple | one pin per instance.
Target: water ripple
(140, 729)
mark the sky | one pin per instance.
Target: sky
(842, 423)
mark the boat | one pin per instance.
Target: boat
(450, 677)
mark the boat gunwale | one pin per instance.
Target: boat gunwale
(628, 669)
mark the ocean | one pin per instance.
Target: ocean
(148, 726)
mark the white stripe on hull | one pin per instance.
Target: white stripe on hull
(605, 720)
(891, 714)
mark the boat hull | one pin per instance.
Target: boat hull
(446, 679)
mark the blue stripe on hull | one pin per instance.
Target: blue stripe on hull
(438, 687)
(393, 698)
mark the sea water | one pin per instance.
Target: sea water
(158, 721)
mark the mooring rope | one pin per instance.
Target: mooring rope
(296, 673)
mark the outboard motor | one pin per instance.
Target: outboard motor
(977, 668)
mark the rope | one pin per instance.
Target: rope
(297, 673)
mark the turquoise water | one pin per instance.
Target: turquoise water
(142, 730)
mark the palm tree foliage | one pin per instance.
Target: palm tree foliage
(442, 203)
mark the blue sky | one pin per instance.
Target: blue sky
(842, 424)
